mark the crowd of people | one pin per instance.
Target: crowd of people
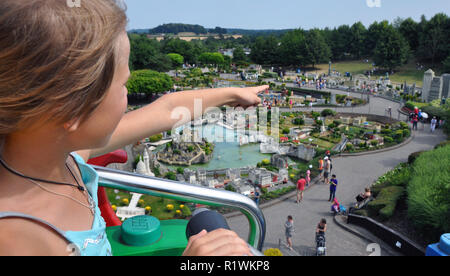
(418, 116)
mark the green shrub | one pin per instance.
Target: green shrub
(298, 121)
(155, 138)
(404, 125)
(388, 139)
(349, 147)
(171, 176)
(384, 205)
(361, 212)
(409, 105)
(429, 192)
(406, 133)
(386, 131)
(400, 176)
(180, 170)
(315, 115)
(398, 135)
(434, 111)
(328, 112)
(443, 144)
(413, 156)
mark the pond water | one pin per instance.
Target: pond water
(227, 152)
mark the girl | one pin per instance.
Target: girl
(63, 100)
(308, 176)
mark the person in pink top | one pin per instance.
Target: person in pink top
(308, 176)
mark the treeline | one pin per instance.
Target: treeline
(174, 28)
(389, 44)
(156, 55)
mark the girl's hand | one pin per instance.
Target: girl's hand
(247, 97)
(219, 242)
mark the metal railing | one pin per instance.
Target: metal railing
(158, 187)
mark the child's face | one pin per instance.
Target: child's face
(98, 129)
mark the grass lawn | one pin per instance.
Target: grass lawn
(157, 204)
(354, 67)
(407, 73)
(321, 143)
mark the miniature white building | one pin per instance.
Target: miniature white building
(246, 190)
(143, 167)
(201, 176)
(212, 183)
(283, 174)
(131, 210)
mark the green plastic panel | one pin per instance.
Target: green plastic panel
(171, 242)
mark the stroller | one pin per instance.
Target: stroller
(321, 249)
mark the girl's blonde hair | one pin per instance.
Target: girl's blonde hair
(57, 61)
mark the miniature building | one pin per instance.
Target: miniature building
(346, 120)
(201, 175)
(359, 120)
(279, 161)
(435, 87)
(212, 183)
(245, 190)
(283, 175)
(233, 174)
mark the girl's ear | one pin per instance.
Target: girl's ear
(72, 125)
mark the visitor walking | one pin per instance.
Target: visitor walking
(433, 124)
(308, 176)
(301, 183)
(321, 164)
(289, 229)
(415, 121)
(327, 169)
(333, 186)
(257, 196)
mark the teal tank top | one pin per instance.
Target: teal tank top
(93, 242)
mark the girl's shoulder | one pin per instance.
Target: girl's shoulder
(27, 238)
(84, 154)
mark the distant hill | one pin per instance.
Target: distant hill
(257, 32)
(176, 28)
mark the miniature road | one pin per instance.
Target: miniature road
(354, 174)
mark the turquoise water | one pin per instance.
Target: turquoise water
(227, 152)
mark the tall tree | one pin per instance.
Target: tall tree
(341, 38)
(265, 50)
(374, 34)
(410, 30)
(391, 50)
(147, 54)
(177, 60)
(239, 56)
(318, 50)
(293, 50)
(357, 40)
(435, 39)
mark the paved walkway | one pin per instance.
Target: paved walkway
(354, 174)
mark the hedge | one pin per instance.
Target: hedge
(384, 205)
(429, 192)
(413, 156)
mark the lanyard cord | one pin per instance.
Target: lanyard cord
(42, 180)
